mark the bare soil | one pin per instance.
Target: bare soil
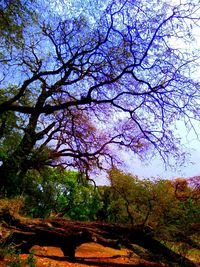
(89, 254)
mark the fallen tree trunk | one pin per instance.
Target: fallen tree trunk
(68, 235)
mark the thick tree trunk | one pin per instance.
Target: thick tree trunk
(68, 235)
(14, 168)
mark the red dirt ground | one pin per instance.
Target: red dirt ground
(90, 254)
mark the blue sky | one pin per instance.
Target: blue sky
(156, 168)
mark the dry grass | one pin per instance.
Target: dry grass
(13, 205)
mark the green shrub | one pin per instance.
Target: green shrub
(14, 259)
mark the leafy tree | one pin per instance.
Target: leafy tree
(132, 197)
(170, 208)
(112, 207)
(60, 193)
(84, 84)
(187, 192)
(15, 16)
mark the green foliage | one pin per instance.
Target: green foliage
(12, 254)
(155, 203)
(55, 191)
(10, 125)
(169, 209)
(31, 261)
(131, 200)
(112, 207)
(14, 259)
(14, 16)
(10, 134)
(5, 250)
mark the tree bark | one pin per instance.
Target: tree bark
(68, 235)
(14, 168)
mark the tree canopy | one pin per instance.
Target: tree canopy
(75, 85)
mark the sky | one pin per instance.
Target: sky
(156, 167)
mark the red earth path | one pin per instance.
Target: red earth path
(89, 254)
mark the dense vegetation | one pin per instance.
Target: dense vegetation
(127, 199)
(168, 210)
(78, 85)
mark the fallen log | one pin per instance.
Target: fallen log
(67, 241)
(68, 235)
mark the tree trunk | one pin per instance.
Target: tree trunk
(14, 168)
(68, 235)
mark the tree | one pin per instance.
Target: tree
(15, 16)
(133, 198)
(82, 84)
(169, 209)
(59, 193)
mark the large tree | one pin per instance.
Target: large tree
(79, 83)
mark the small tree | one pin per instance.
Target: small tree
(131, 197)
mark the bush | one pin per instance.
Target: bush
(13, 206)
(13, 258)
